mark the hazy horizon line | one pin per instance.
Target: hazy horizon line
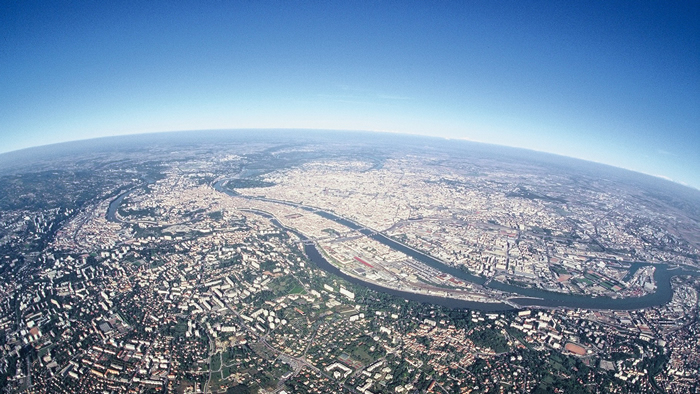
(392, 132)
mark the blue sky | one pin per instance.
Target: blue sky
(612, 82)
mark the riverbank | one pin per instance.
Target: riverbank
(530, 296)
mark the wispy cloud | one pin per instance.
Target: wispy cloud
(352, 88)
(393, 97)
(362, 96)
(338, 96)
(348, 99)
(372, 94)
(663, 177)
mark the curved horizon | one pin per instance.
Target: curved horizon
(614, 83)
(399, 134)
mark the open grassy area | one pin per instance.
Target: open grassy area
(298, 289)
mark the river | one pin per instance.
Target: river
(114, 206)
(317, 258)
(531, 296)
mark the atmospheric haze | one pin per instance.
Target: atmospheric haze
(613, 82)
